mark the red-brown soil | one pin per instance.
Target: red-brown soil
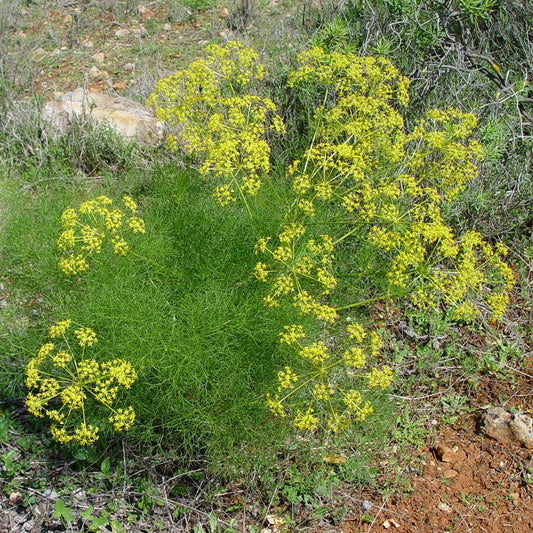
(464, 482)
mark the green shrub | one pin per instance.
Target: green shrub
(363, 179)
(181, 293)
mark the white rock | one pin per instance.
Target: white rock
(94, 72)
(122, 32)
(507, 426)
(99, 57)
(128, 118)
(444, 507)
(50, 493)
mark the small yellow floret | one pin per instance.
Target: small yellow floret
(59, 328)
(86, 337)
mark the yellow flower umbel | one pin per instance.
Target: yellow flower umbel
(218, 119)
(390, 185)
(296, 265)
(86, 230)
(324, 395)
(67, 387)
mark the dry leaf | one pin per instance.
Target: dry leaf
(332, 459)
(390, 523)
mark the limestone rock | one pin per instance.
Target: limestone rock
(122, 32)
(505, 426)
(99, 57)
(128, 118)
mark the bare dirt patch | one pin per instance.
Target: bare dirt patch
(462, 481)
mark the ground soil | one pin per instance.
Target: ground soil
(478, 485)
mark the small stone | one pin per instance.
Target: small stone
(15, 498)
(505, 426)
(167, 26)
(450, 473)
(276, 521)
(50, 493)
(88, 44)
(444, 507)
(366, 506)
(522, 427)
(444, 453)
(99, 58)
(390, 523)
(224, 13)
(122, 32)
(94, 72)
(129, 67)
(30, 526)
(119, 86)
(79, 495)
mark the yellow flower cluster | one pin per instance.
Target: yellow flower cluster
(477, 277)
(350, 74)
(66, 388)
(217, 119)
(322, 388)
(394, 184)
(95, 222)
(296, 264)
(364, 180)
(358, 128)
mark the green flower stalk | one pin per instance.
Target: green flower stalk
(67, 387)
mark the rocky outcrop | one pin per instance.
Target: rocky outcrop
(131, 120)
